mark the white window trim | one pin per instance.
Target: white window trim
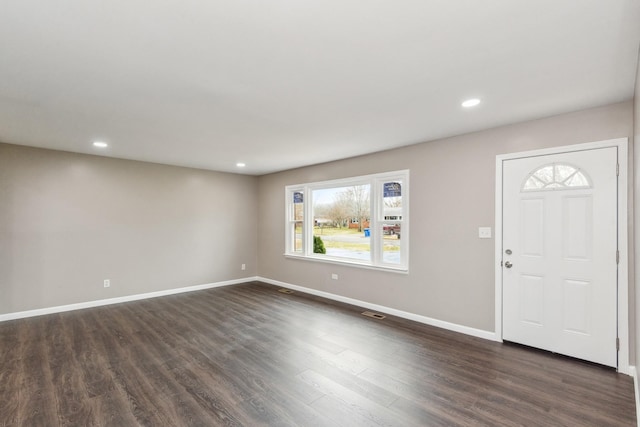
(375, 224)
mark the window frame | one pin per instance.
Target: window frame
(376, 221)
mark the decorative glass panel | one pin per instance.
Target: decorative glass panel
(578, 180)
(533, 183)
(556, 177)
(564, 171)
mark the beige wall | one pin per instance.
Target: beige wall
(69, 221)
(452, 193)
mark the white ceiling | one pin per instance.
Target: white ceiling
(280, 84)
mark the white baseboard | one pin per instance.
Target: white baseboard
(634, 373)
(117, 300)
(392, 311)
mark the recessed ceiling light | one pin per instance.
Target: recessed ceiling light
(240, 165)
(100, 144)
(471, 103)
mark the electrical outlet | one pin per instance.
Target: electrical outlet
(243, 267)
(484, 232)
(107, 283)
(334, 276)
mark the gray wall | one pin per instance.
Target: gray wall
(452, 193)
(69, 221)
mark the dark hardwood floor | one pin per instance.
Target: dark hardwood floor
(249, 355)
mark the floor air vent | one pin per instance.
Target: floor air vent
(374, 315)
(285, 291)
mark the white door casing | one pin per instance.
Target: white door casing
(561, 292)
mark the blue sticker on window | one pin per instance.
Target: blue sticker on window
(297, 197)
(392, 189)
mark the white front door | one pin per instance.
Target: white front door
(560, 253)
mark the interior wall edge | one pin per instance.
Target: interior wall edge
(118, 300)
(479, 333)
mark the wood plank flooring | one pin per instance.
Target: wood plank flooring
(248, 355)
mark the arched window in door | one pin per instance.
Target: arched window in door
(556, 176)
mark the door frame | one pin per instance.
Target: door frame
(622, 145)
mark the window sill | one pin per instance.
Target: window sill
(348, 263)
